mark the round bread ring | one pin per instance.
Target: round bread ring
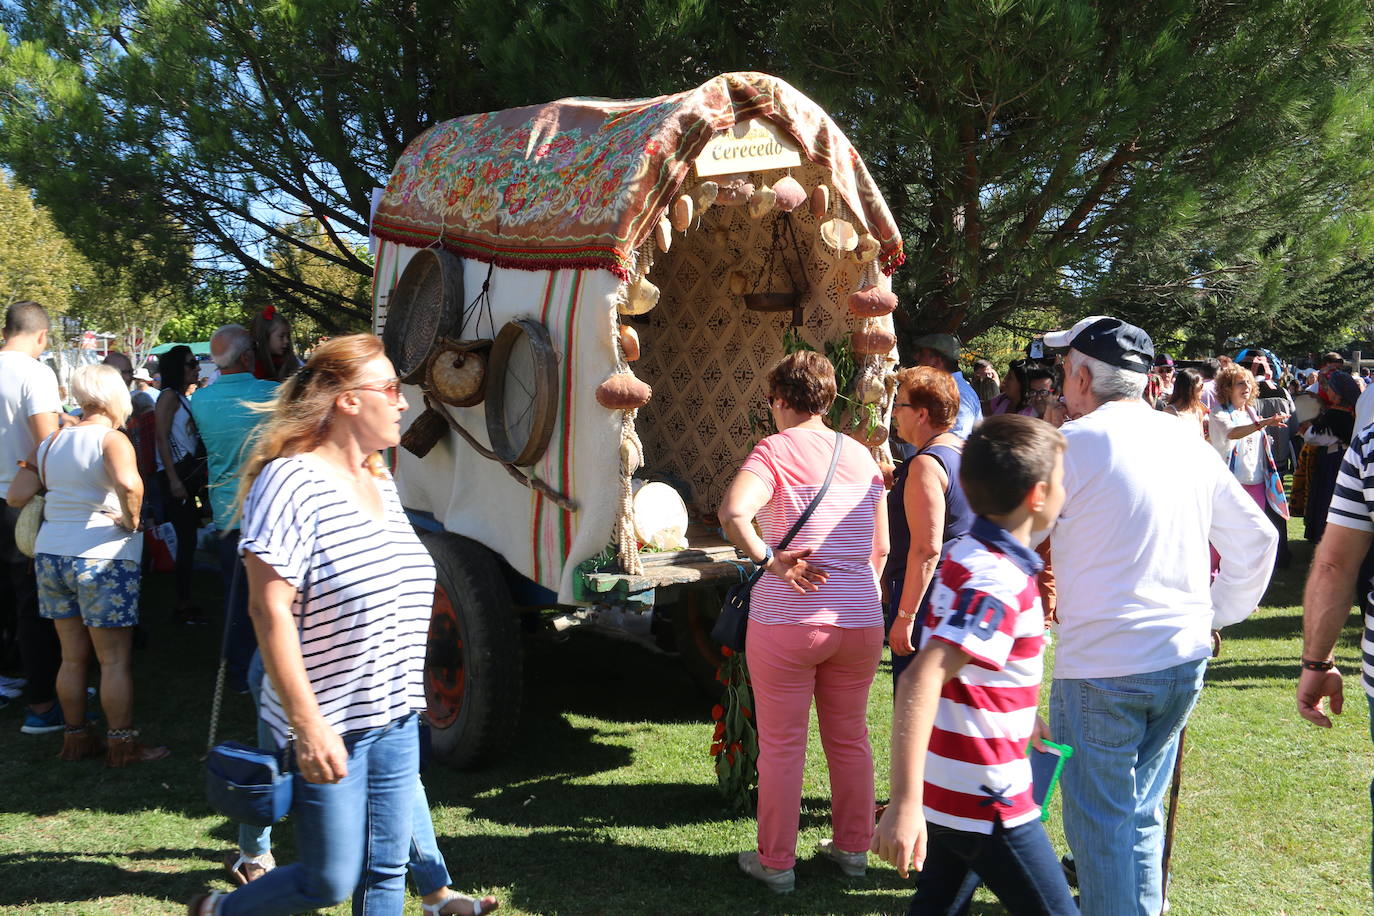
(457, 373)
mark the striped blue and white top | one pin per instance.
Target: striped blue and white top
(364, 593)
(1352, 506)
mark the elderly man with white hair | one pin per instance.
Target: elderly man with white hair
(1144, 497)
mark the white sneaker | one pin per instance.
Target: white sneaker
(853, 864)
(777, 880)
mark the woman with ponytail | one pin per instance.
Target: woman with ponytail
(340, 591)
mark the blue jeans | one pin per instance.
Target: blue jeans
(352, 837)
(240, 640)
(1124, 732)
(1371, 792)
(427, 866)
(1017, 864)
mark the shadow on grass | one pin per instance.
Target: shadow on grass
(571, 871)
(28, 877)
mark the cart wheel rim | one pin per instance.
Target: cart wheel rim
(444, 667)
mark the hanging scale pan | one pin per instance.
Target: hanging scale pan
(424, 307)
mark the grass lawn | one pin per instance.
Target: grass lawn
(607, 802)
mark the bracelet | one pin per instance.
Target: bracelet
(766, 558)
(1309, 665)
(905, 616)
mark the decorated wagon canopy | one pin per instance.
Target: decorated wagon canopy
(582, 183)
(522, 254)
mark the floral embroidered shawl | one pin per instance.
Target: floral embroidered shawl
(580, 183)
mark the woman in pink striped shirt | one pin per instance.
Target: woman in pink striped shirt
(815, 621)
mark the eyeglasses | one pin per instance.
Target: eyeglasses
(896, 404)
(1041, 392)
(390, 387)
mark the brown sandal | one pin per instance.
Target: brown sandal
(124, 748)
(81, 743)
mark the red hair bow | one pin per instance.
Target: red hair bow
(269, 313)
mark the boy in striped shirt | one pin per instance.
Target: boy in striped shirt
(965, 710)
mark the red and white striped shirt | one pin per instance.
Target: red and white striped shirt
(986, 603)
(792, 464)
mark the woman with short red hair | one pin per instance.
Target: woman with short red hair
(926, 506)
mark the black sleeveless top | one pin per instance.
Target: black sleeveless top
(958, 515)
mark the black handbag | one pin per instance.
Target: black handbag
(733, 623)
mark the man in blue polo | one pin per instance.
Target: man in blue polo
(941, 351)
(227, 423)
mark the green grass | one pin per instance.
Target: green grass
(607, 803)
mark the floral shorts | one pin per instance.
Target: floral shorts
(103, 593)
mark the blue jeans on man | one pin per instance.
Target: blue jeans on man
(1124, 732)
(240, 641)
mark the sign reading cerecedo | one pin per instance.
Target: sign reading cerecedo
(751, 146)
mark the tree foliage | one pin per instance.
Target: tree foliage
(1198, 163)
(37, 261)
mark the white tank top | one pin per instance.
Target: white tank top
(80, 516)
(183, 436)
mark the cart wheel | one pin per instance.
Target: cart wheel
(472, 675)
(693, 616)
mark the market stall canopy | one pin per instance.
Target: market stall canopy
(581, 183)
(201, 349)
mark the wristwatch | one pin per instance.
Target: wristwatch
(766, 558)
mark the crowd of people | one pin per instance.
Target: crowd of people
(1132, 505)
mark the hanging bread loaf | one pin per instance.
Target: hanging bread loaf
(872, 302)
(873, 437)
(622, 391)
(873, 341)
(839, 235)
(663, 234)
(629, 343)
(735, 193)
(761, 201)
(820, 201)
(704, 195)
(682, 213)
(790, 193)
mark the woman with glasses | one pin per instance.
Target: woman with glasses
(815, 617)
(181, 469)
(340, 591)
(926, 506)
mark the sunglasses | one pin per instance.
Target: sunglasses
(390, 387)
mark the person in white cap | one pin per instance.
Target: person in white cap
(1145, 495)
(142, 397)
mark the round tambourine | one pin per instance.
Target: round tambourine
(522, 392)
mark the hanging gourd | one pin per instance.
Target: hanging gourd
(622, 391)
(790, 194)
(820, 201)
(872, 302)
(629, 343)
(872, 341)
(682, 213)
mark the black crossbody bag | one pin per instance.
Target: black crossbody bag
(733, 624)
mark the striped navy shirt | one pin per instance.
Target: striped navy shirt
(1352, 506)
(364, 593)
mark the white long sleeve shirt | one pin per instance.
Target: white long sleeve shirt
(1145, 495)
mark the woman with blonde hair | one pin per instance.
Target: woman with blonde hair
(1237, 432)
(87, 560)
(340, 592)
(815, 617)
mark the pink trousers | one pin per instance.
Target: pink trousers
(788, 665)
